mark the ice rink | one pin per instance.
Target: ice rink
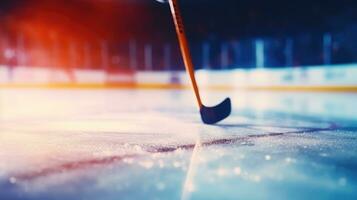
(151, 144)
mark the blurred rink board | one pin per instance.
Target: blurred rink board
(315, 78)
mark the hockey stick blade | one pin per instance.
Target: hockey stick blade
(212, 115)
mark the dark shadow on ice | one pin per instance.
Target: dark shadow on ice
(71, 166)
(330, 127)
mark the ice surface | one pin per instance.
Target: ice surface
(148, 144)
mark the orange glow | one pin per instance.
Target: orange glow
(52, 29)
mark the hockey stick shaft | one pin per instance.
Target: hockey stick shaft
(185, 50)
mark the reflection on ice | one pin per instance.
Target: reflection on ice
(189, 186)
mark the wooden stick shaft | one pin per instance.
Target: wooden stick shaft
(185, 50)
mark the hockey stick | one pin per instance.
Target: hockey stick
(209, 115)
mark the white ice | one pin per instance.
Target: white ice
(151, 144)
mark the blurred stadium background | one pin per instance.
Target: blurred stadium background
(75, 139)
(235, 44)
